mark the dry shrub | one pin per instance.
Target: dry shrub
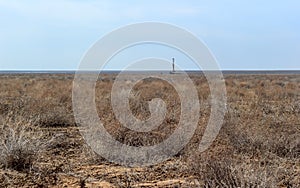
(213, 172)
(285, 147)
(262, 142)
(129, 137)
(20, 145)
(266, 171)
(267, 126)
(56, 117)
(40, 112)
(229, 172)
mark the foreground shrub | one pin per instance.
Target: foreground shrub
(19, 145)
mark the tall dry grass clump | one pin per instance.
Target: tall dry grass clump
(20, 145)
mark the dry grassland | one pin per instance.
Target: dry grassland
(258, 145)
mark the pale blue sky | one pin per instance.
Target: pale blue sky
(241, 34)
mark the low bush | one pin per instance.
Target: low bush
(20, 145)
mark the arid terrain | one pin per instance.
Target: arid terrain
(258, 145)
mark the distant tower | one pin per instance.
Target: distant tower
(173, 64)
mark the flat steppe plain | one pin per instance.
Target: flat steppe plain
(257, 146)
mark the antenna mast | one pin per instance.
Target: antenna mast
(173, 64)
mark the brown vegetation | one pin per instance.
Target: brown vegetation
(258, 145)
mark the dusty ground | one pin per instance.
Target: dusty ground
(258, 145)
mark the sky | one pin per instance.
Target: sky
(242, 35)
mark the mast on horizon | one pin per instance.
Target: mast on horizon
(173, 64)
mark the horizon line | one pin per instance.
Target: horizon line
(119, 70)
